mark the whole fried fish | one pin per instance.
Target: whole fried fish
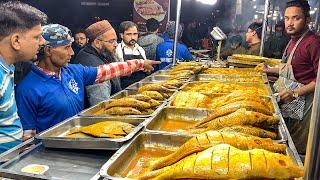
(224, 161)
(153, 94)
(153, 87)
(128, 102)
(140, 97)
(254, 131)
(205, 140)
(110, 129)
(122, 111)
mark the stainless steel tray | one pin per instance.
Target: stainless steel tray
(192, 115)
(231, 78)
(114, 167)
(54, 137)
(155, 78)
(63, 164)
(122, 158)
(175, 113)
(264, 86)
(92, 111)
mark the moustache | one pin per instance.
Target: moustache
(132, 41)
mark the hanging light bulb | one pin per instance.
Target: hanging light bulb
(209, 2)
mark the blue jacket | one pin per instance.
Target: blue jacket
(165, 53)
(44, 100)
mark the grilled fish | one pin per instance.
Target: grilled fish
(140, 97)
(251, 131)
(122, 111)
(230, 108)
(153, 87)
(205, 140)
(224, 161)
(153, 94)
(154, 103)
(128, 102)
(244, 118)
(110, 129)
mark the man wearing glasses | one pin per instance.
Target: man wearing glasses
(100, 50)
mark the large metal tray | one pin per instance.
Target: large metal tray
(63, 164)
(175, 113)
(54, 137)
(192, 115)
(122, 158)
(272, 100)
(264, 86)
(92, 111)
(231, 78)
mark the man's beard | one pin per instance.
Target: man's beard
(296, 31)
(109, 56)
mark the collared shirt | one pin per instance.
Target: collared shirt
(122, 47)
(165, 53)
(11, 129)
(306, 58)
(45, 100)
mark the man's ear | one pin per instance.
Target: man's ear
(15, 40)
(121, 35)
(47, 51)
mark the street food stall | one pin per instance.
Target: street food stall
(190, 120)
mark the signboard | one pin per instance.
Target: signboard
(146, 9)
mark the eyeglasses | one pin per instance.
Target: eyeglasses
(111, 41)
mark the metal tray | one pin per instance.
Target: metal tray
(91, 112)
(176, 113)
(155, 78)
(63, 164)
(54, 137)
(122, 158)
(231, 78)
(258, 85)
(192, 115)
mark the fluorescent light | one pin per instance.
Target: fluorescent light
(209, 2)
(256, 16)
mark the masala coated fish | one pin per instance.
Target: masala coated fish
(128, 102)
(205, 140)
(224, 161)
(140, 97)
(122, 111)
(153, 94)
(254, 131)
(110, 129)
(154, 87)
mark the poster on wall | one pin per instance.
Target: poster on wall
(146, 9)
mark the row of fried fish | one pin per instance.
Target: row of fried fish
(184, 70)
(224, 155)
(215, 87)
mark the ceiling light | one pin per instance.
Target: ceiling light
(209, 2)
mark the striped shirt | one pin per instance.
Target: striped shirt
(10, 125)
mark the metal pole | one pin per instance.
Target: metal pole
(312, 161)
(316, 24)
(264, 25)
(176, 31)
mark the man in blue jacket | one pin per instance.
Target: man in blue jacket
(164, 51)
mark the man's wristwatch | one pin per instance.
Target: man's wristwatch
(295, 94)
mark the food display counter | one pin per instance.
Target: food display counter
(67, 151)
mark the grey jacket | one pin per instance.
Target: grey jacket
(149, 44)
(96, 92)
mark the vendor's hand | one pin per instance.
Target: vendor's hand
(286, 96)
(147, 66)
(261, 67)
